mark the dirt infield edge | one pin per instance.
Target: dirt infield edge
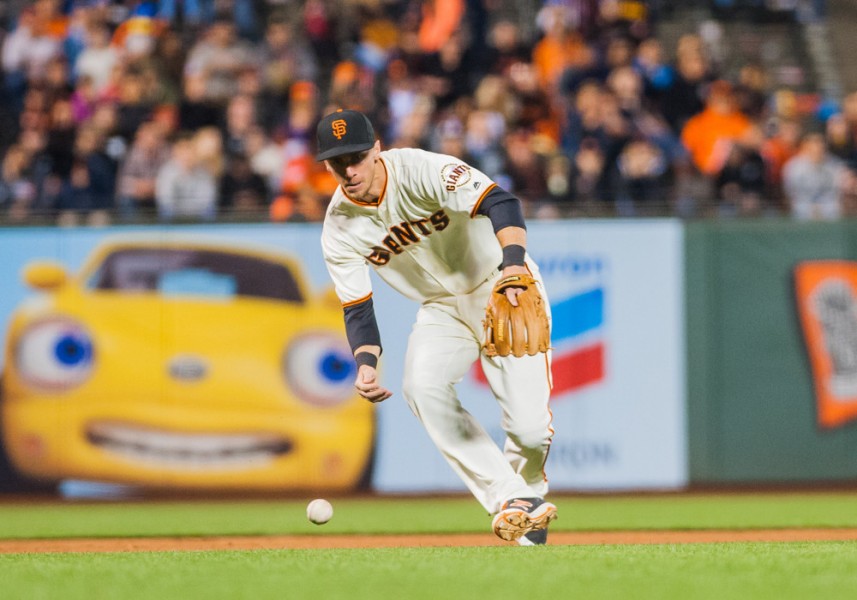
(161, 544)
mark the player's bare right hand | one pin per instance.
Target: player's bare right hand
(512, 292)
(368, 387)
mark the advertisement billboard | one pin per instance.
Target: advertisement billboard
(147, 356)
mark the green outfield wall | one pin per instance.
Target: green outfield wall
(752, 413)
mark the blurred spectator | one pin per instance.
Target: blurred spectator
(484, 131)
(137, 35)
(209, 150)
(61, 136)
(266, 157)
(134, 106)
(623, 18)
(184, 188)
(562, 46)
(781, 143)
(685, 95)
(352, 86)
(83, 99)
(39, 167)
(840, 140)
(106, 120)
(189, 12)
(751, 91)
(269, 110)
(242, 190)
(618, 53)
(813, 181)
(534, 109)
(505, 47)
(446, 72)
(218, 58)
(449, 139)
(168, 59)
(709, 135)
(27, 50)
(642, 178)
(378, 36)
(98, 57)
(286, 55)
(308, 206)
(441, 19)
(658, 76)
(526, 170)
(240, 120)
(742, 184)
(321, 20)
(86, 194)
(584, 119)
(403, 95)
(56, 80)
(138, 172)
(587, 181)
(17, 190)
(196, 13)
(849, 112)
(195, 109)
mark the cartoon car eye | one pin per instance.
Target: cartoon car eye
(320, 369)
(55, 354)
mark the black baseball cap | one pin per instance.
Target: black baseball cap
(343, 132)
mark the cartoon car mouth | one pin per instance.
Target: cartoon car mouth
(192, 451)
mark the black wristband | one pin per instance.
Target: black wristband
(513, 254)
(366, 358)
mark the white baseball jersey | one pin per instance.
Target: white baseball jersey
(423, 237)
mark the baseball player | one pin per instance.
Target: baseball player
(441, 232)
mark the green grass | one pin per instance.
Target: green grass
(694, 571)
(421, 515)
(690, 571)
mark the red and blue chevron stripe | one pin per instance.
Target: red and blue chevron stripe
(577, 335)
(578, 340)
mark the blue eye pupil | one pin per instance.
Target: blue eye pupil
(335, 368)
(71, 351)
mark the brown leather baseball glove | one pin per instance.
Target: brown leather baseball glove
(518, 330)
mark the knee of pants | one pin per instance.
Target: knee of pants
(534, 439)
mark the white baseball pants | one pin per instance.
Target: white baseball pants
(444, 343)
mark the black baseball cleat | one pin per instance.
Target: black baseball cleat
(520, 516)
(537, 537)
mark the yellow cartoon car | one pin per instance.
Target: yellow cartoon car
(183, 364)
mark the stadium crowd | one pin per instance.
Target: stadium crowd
(171, 110)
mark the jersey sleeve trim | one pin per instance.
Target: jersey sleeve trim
(358, 301)
(481, 198)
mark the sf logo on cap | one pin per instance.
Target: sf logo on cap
(338, 127)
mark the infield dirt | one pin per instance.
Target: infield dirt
(399, 541)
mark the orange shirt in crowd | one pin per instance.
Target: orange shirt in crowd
(440, 19)
(552, 55)
(709, 135)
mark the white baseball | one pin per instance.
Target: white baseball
(319, 511)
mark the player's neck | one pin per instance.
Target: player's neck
(379, 183)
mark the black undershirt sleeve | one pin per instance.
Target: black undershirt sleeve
(503, 209)
(361, 328)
